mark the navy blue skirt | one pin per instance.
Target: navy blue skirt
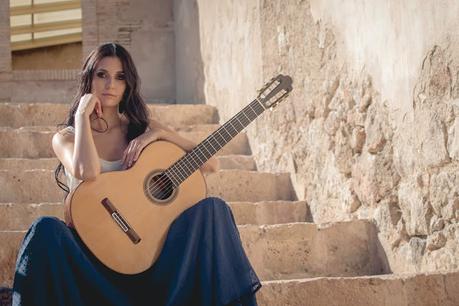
(202, 263)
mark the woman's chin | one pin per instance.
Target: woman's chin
(109, 101)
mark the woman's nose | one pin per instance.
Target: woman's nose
(109, 83)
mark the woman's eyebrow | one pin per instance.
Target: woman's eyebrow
(104, 70)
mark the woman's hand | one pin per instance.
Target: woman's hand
(89, 103)
(135, 146)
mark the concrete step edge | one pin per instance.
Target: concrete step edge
(390, 276)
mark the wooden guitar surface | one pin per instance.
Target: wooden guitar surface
(93, 203)
(123, 216)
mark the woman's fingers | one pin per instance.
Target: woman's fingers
(137, 153)
(98, 108)
(143, 142)
(131, 153)
(135, 147)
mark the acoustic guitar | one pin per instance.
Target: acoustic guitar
(123, 217)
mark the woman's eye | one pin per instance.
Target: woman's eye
(101, 74)
(121, 77)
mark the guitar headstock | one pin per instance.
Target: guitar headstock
(276, 90)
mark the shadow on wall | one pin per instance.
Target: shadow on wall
(383, 266)
(188, 59)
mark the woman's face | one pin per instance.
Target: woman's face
(108, 81)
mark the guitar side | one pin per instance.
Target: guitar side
(117, 219)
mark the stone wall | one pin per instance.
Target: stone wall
(370, 130)
(231, 53)
(188, 60)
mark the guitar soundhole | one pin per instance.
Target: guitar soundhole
(160, 188)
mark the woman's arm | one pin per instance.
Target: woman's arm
(78, 152)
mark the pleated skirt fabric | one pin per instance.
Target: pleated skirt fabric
(201, 263)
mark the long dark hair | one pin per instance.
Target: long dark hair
(132, 104)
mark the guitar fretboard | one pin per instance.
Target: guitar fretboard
(193, 160)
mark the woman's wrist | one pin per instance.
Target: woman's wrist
(81, 115)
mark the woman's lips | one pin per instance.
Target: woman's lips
(108, 95)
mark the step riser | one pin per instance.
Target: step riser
(17, 115)
(36, 186)
(300, 250)
(425, 290)
(37, 144)
(304, 254)
(250, 186)
(241, 162)
(19, 216)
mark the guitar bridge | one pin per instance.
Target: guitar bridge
(120, 221)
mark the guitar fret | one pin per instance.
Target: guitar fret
(234, 129)
(260, 104)
(210, 143)
(224, 129)
(195, 164)
(187, 165)
(214, 142)
(223, 140)
(253, 111)
(172, 178)
(199, 154)
(180, 173)
(181, 169)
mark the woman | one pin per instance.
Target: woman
(202, 261)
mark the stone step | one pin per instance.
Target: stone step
(25, 114)
(286, 251)
(37, 185)
(19, 216)
(242, 162)
(300, 250)
(35, 142)
(427, 289)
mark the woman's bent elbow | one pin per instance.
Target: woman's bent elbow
(87, 175)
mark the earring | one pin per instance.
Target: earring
(106, 125)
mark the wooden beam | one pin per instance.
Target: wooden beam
(44, 42)
(44, 27)
(45, 7)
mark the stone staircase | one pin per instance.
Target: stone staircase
(299, 262)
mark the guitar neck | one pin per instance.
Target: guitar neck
(193, 160)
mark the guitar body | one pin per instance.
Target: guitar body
(123, 217)
(119, 220)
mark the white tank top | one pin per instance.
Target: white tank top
(105, 166)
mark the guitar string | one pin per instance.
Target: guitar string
(169, 180)
(165, 184)
(188, 158)
(165, 179)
